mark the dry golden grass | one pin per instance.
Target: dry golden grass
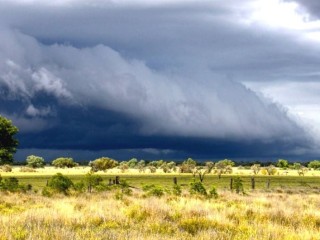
(105, 216)
(49, 170)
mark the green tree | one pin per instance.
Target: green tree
(35, 161)
(132, 163)
(315, 164)
(188, 166)
(102, 164)
(8, 143)
(282, 163)
(63, 162)
(141, 165)
(224, 166)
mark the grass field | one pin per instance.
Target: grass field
(288, 210)
(261, 216)
(311, 181)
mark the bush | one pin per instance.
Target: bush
(102, 164)
(153, 190)
(27, 169)
(238, 185)
(6, 168)
(92, 181)
(11, 184)
(213, 192)
(177, 190)
(198, 188)
(35, 161)
(60, 183)
(63, 162)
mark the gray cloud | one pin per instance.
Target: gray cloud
(174, 68)
(165, 104)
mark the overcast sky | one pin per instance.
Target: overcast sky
(162, 79)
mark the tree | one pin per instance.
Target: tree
(224, 166)
(102, 164)
(35, 161)
(63, 162)
(282, 163)
(188, 166)
(255, 168)
(315, 164)
(141, 165)
(8, 143)
(210, 166)
(270, 170)
(132, 163)
(123, 166)
(296, 165)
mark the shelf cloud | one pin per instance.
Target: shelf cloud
(175, 77)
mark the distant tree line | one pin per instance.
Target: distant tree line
(8, 145)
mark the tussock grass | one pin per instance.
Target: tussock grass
(258, 215)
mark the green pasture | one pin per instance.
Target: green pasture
(166, 180)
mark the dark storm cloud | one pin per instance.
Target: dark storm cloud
(313, 6)
(102, 75)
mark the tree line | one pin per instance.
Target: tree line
(8, 145)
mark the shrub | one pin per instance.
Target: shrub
(92, 181)
(6, 168)
(256, 168)
(35, 161)
(177, 190)
(238, 185)
(60, 183)
(213, 192)
(270, 170)
(11, 184)
(27, 169)
(153, 190)
(198, 188)
(102, 164)
(63, 162)
(125, 187)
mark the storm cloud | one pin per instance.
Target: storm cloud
(176, 78)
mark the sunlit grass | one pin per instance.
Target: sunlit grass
(102, 216)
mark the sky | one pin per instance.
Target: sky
(167, 79)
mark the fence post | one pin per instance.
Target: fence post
(117, 180)
(253, 183)
(268, 183)
(175, 181)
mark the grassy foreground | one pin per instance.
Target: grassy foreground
(106, 216)
(289, 209)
